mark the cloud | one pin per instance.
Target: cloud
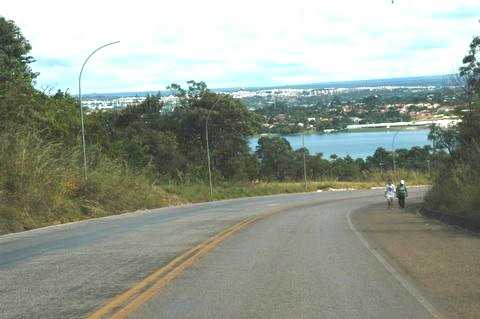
(252, 43)
(53, 62)
(461, 11)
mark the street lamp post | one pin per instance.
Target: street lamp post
(304, 161)
(393, 152)
(81, 109)
(304, 155)
(208, 147)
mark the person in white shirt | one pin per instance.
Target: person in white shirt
(390, 193)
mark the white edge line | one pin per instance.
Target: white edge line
(411, 289)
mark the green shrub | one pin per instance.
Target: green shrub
(455, 190)
(41, 183)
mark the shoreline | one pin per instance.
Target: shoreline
(355, 130)
(357, 144)
(375, 127)
(420, 123)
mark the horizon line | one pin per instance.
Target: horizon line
(286, 86)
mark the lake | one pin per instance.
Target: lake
(356, 144)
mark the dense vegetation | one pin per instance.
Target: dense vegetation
(285, 117)
(40, 158)
(143, 156)
(334, 111)
(455, 190)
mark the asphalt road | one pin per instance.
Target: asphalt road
(304, 261)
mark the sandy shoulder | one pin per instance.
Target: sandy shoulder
(442, 261)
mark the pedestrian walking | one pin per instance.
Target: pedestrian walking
(402, 193)
(390, 193)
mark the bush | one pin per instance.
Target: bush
(41, 183)
(455, 190)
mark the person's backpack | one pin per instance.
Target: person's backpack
(401, 190)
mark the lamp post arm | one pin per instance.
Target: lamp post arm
(81, 109)
(88, 58)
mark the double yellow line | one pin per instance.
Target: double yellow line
(132, 299)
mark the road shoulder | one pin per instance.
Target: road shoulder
(442, 261)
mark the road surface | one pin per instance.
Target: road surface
(304, 259)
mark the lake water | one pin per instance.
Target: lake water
(356, 144)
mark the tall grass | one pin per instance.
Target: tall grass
(410, 177)
(34, 177)
(41, 183)
(456, 188)
(198, 192)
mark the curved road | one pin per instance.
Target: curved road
(303, 260)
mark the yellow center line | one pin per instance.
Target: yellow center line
(138, 294)
(141, 299)
(124, 304)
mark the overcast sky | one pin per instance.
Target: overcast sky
(241, 43)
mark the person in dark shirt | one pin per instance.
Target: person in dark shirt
(402, 193)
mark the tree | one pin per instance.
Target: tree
(455, 190)
(195, 91)
(16, 76)
(381, 159)
(318, 167)
(444, 138)
(138, 135)
(276, 157)
(14, 58)
(469, 129)
(345, 168)
(459, 138)
(230, 125)
(470, 70)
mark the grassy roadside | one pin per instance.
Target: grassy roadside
(41, 184)
(199, 193)
(51, 190)
(191, 193)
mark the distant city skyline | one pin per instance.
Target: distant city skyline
(252, 44)
(422, 81)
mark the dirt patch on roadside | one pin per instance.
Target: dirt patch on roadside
(442, 261)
